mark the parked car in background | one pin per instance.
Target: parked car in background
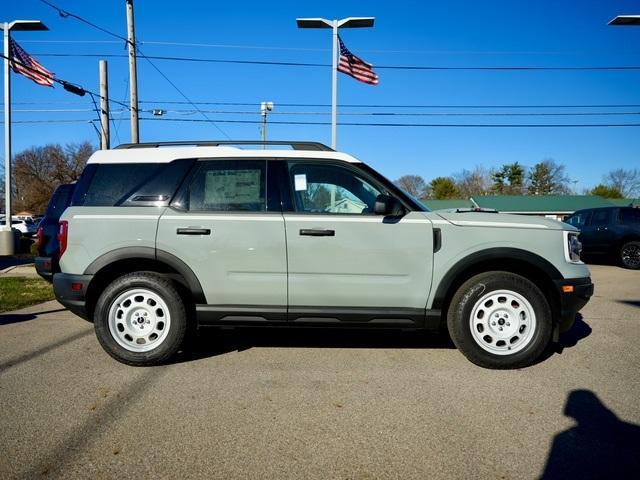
(26, 227)
(612, 232)
(47, 243)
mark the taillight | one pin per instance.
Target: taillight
(39, 238)
(63, 233)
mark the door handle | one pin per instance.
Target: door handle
(193, 231)
(317, 232)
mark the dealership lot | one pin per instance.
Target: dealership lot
(322, 404)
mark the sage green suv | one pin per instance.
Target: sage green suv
(162, 238)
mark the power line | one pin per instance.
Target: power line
(77, 90)
(66, 14)
(359, 124)
(380, 67)
(306, 49)
(403, 114)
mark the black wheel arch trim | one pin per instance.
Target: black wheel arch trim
(150, 253)
(501, 253)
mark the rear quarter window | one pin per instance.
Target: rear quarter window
(630, 216)
(129, 184)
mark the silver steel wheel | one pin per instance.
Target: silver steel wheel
(139, 320)
(502, 322)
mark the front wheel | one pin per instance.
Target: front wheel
(500, 320)
(140, 319)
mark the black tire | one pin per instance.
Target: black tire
(460, 312)
(630, 255)
(177, 326)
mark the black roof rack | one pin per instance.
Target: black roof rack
(315, 146)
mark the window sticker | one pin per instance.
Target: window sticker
(300, 182)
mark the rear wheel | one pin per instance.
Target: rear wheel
(140, 319)
(500, 320)
(630, 255)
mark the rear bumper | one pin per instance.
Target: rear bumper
(45, 267)
(574, 293)
(71, 290)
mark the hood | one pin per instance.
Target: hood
(501, 220)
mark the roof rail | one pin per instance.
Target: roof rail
(316, 146)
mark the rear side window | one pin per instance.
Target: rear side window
(227, 185)
(630, 216)
(59, 201)
(600, 217)
(129, 184)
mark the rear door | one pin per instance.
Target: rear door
(599, 233)
(223, 226)
(343, 260)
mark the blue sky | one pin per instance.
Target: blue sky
(452, 33)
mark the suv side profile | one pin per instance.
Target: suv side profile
(162, 238)
(613, 232)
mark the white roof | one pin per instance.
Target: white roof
(168, 154)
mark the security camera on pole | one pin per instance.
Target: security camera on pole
(264, 108)
(43, 77)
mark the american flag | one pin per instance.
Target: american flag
(356, 67)
(28, 66)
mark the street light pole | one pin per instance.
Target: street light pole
(6, 234)
(334, 25)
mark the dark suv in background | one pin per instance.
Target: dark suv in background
(613, 232)
(47, 244)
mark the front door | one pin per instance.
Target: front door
(343, 260)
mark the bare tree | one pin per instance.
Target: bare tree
(626, 181)
(473, 183)
(38, 171)
(414, 185)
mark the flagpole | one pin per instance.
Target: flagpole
(334, 87)
(334, 25)
(7, 243)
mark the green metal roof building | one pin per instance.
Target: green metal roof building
(554, 206)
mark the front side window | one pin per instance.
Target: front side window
(319, 188)
(228, 185)
(600, 218)
(579, 219)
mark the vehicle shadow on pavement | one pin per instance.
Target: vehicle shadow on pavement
(6, 319)
(600, 445)
(633, 303)
(212, 341)
(577, 332)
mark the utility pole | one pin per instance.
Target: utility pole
(105, 139)
(133, 73)
(264, 108)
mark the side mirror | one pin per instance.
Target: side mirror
(387, 205)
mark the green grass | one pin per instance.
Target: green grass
(20, 292)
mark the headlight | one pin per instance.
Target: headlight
(572, 247)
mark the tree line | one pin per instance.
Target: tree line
(38, 171)
(545, 178)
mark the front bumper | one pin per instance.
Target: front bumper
(71, 290)
(574, 293)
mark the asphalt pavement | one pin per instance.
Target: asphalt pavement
(322, 404)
